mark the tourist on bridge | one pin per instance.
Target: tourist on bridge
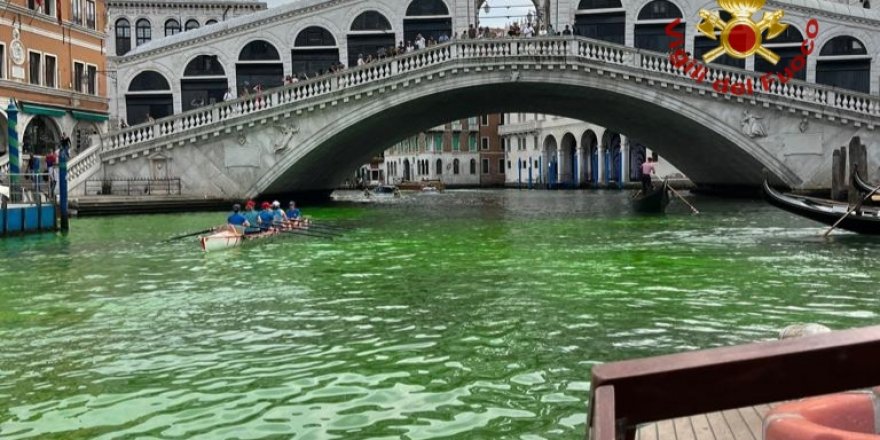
(566, 31)
(293, 213)
(647, 170)
(252, 217)
(228, 96)
(472, 32)
(420, 42)
(236, 220)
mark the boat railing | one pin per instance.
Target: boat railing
(629, 393)
(133, 187)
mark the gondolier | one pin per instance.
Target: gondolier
(647, 170)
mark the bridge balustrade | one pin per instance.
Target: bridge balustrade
(574, 48)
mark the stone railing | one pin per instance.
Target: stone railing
(84, 165)
(570, 50)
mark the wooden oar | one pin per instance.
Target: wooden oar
(854, 208)
(305, 233)
(204, 231)
(695, 210)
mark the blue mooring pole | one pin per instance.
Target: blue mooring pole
(12, 147)
(62, 186)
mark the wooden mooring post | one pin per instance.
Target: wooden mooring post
(858, 159)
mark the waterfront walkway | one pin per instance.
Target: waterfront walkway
(735, 424)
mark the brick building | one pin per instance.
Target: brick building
(52, 63)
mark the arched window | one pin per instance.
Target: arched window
(314, 51)
(172, 27)
(259, 64)
(143, 31)
(430, 18)
(203, 83)
(659, 9)
(314, 36)
(257, 51)
(192, 24)
(455, 165)
(653, 35)
(844, 62)
(603, 24)
(427, 7)
(787, 45)
(149, 96)
(211, 21)
(439, 168)
(370, 21)
(149, 81)
(473, 166)
(204, 65)
(599, 4)
(123, 36)
(372, 36)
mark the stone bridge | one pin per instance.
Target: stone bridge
(309, 135)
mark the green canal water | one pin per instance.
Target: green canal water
(467, 314)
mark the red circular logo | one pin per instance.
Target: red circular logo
(742, 38)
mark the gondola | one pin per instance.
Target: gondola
(865, 220)
(861, 185)
(654, 201)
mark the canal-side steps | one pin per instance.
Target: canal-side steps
(85, 206)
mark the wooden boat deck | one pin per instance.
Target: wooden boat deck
(735, 424)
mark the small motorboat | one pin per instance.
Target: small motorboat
(865, 220)
(430, 189)
(654, 201)
(383, 191)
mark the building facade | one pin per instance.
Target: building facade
(52, 65)
(544, 151)
(492, 169)
(137, 23)
(448, 153)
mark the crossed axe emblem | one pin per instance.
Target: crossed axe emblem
(741, 36)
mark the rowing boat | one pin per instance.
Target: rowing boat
(226, 237)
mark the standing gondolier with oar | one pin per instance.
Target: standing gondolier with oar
(647, 170)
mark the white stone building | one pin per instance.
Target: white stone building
(544, 151)
(310, 35)
(449, 153)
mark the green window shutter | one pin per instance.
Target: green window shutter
(456, 142)
(472, 142)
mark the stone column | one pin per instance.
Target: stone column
(624, 160)
(578, 180)
(559, 167)
(600, 164)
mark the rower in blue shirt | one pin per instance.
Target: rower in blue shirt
(278, 216)
(238, 221)
(251, 215)
(266, 217)
(293, 212)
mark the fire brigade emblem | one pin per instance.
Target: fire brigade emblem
(741, 36)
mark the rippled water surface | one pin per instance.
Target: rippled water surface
(467, 314)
